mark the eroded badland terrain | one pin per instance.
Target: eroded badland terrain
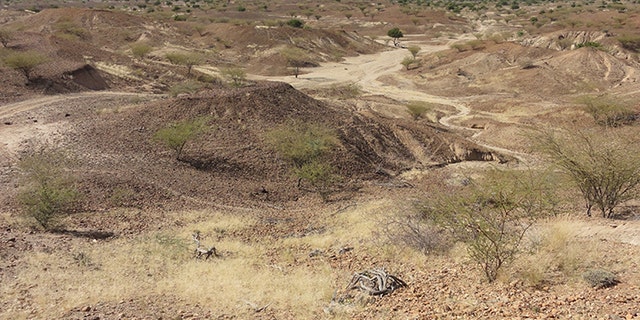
(341, 169)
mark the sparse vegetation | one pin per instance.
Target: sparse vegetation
(49, 191)
(186, 87)
(603, 165)
(6, 35)
(630, 42)
(187, 59)
(68, 29)
(492, 215)
(305, 146)
(236, 76)
(608, 112)
(414, 50)
(25, 62)
(408, 61)
(417, 109)
(176, 136)
(296, 58)
(140, 50)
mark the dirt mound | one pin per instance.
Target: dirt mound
(121, 164)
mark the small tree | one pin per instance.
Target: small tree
(25, 62)
(177, 135)
(396, 34)
(296, 23)
(414, 51)
(604, 165)
(237, 76)
(296, 58)
(6, 35)
(493, 214)
(188, 59)
(140, 50)
(48, 192)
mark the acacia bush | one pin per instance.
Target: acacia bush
(491, 215)
(603, 164)
(187, 59)
(176, 136)
(25, 62)
(48, 192)
(237, 76)
(305, 146)
(608, 112)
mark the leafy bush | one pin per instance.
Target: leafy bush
(395, 34)
(177, 135)
(49, 191)
(188, 59)
(319, 175)
(302, 143)
(408, 61)
(296, 23)
(589, 44)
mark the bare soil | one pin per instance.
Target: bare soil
(125, 252)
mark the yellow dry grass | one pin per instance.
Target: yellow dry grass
(247, 276)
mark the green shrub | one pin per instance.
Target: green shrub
(296, 23)
(417, 109)
(176, 136)
(302, 143)
(25, 62)
(304, 146)
(589, 44)
(319, 175)
(49, 192)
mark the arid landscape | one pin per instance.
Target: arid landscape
(414, 159)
